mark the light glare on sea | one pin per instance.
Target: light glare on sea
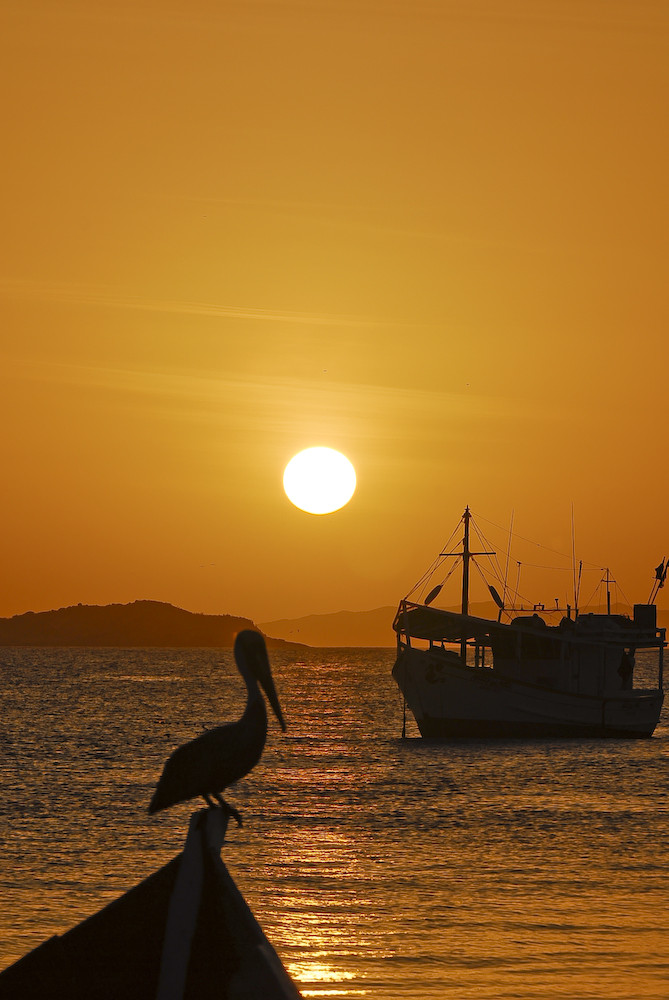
(378, 867)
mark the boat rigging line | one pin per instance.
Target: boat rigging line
(496, 572)
(508, 556)
(531, 541)
(573, 558)
(620, 596)
(523, 538)
(501, 576)
(518, 598)
(434, 565)
(496, 569)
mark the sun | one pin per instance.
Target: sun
(319, 480)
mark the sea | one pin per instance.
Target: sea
(379, 867)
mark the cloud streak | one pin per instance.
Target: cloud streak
(277, 402)
(70, 292)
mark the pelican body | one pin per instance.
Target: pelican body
(211, 762)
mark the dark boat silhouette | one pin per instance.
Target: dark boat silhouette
(466, 676)
(184, 932)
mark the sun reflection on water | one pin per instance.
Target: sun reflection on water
(312, 972)
(334, 993)
(315, 973)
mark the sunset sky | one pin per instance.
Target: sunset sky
(432, 235)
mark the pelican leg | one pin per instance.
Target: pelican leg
(228, 808)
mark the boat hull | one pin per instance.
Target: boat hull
(126, 949)
(450, 700)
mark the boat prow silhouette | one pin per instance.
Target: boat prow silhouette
(186, 932)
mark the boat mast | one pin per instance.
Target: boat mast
(466, 556)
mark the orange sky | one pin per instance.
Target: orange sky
(430, 234)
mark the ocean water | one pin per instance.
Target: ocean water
(379, 867)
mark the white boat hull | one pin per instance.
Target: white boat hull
(449, 699)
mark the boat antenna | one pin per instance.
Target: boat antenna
(578, 588)
(508, 556)
(609, 581)
(573, 555)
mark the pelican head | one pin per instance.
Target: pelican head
(251, 657)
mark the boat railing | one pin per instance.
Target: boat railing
(580, 630)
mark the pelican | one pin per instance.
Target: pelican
(208, 764)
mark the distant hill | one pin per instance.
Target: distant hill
(341, 628)
(374, 628)
(154, 623)
(142, 623)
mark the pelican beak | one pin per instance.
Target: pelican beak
(269, 689)
(266, 680)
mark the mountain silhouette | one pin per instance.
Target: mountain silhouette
(157, 624)
(142, 623)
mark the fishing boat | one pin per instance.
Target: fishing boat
(463, 675)
(184, 933)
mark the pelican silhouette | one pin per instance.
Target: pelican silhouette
(208, 764)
